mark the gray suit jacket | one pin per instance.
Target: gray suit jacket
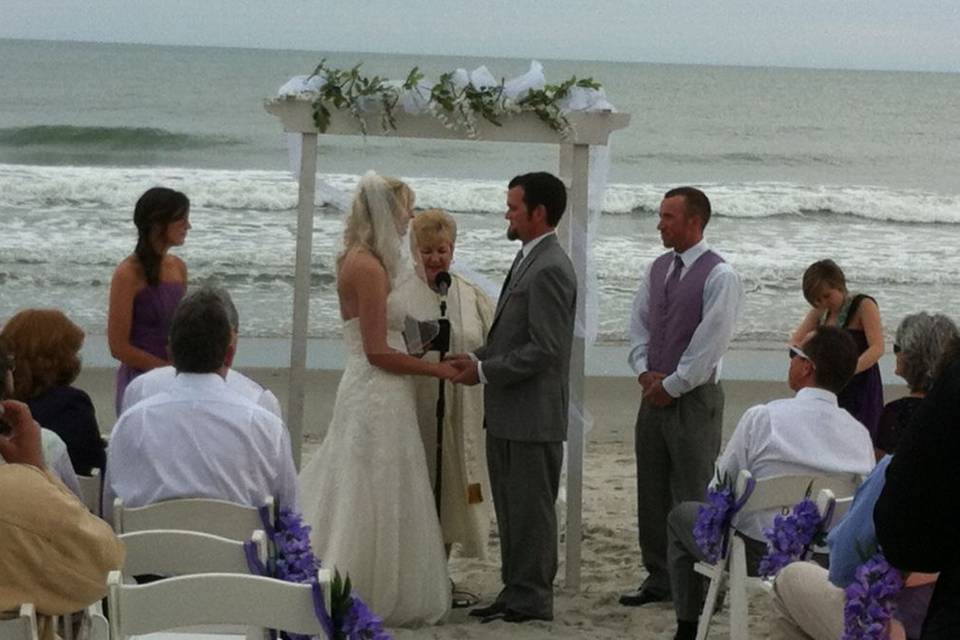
(526, 359)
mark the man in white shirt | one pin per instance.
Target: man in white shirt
(162, 378)
(804, 435)
(199, 439)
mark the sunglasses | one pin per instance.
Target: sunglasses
(794, 352)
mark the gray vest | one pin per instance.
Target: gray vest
(674, 318)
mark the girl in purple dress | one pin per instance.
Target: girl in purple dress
(825, 288)
(147, 286)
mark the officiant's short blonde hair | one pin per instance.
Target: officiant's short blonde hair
(433, 226)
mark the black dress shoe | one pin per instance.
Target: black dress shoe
(495, 609)
(517, 617)
(641, 597)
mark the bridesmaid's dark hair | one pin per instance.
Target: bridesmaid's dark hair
(155, 209)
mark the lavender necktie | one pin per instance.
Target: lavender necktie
(673, 280)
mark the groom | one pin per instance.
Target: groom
(524, 367)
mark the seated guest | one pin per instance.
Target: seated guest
(55, 455)
(46, 347)
(810, 601)
(162, 378)
(199, 439)
(918, 346)
(917, 515)
(53, 552)
(808, 434)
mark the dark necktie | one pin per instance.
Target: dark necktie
(513, 268)
(673, 280)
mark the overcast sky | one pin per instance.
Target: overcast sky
(858, 34)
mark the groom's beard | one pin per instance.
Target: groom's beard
(512, 234)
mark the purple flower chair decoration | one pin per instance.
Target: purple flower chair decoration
(779, 493)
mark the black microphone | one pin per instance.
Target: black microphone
(442, 282)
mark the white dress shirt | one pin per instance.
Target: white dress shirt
(57, 460)
(722, 305)
(162, 378)
(524, 252)
(804, 435)
(200, 439)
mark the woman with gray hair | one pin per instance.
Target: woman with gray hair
(919, 344)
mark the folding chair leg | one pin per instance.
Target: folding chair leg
(739, 625)
(709, 606)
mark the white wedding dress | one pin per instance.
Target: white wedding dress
(367, 496)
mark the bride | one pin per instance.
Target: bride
(366, 493)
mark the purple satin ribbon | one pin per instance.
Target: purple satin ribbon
(253, 561)
(734, 509)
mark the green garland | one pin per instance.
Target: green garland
(456, 107)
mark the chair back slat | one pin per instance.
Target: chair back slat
(214, 599)
(170, 553)
(216, 517)
(22, 627)
(91, 487)
(782, 492)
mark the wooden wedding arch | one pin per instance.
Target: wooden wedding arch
(587, 128)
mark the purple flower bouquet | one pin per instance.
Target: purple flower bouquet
(869, 600)
(349, 617)
(714, 517)
(790, 537)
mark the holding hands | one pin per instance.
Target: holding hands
(466, 367)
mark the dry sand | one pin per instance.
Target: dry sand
(610, 557)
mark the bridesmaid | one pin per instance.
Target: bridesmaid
(825, 288)
(147, 286)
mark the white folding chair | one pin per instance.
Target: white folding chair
(214, 599)
(172, 553)
(90, 488)
(216, 517)
(781, 492)
(22, 627)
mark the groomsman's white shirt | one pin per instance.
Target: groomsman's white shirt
(804, 435)
(200, 439)
(161, 379)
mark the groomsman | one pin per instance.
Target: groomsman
(683, 319)
(525, 369)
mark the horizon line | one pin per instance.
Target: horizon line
(493, 57)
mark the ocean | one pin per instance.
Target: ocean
(858, 166)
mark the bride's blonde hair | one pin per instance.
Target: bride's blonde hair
(371, 223)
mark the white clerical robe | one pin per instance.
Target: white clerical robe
(465, 503)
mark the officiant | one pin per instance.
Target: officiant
(465, 501)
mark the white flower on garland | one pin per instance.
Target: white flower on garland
(459, 99)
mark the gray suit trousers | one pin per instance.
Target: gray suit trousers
(525, 479)
(676, 448)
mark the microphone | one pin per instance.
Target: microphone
(442, 282)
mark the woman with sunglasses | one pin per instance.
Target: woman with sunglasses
(918, 345)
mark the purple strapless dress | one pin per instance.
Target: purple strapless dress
(153, 308)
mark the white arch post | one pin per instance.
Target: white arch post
(587, 128)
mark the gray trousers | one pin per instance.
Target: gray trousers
(676, 448)
(524, 480)
(682, 553)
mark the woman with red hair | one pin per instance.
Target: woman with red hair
(45, 346)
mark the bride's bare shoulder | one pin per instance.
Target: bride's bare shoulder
(360, 264)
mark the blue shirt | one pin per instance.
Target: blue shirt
(855, 533)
